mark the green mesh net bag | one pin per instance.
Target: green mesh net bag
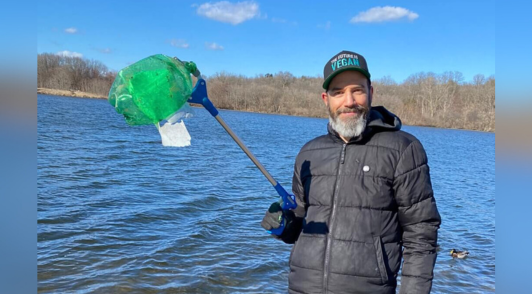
(152, 89)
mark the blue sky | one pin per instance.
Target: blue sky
(397, 38)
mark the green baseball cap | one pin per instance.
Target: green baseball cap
(345, 60)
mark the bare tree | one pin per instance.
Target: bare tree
(73, 73)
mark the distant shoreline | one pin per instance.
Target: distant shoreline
(79, 94)
(69, 93)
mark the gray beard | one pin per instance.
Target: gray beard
(348, 129)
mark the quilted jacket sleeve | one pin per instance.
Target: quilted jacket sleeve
(418, 217)
(293, 228)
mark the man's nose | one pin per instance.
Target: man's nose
(349, 100)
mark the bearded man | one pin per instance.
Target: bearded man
(364, 196)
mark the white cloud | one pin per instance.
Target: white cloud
(213, 46)
(325, 26)
(179, 43)
(279, 20)
(71, 30)
(67, 53)
(105, 50)
(383, 14)
(233, 13)
(261, 16)
(284, 21)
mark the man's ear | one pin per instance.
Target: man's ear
(370, 95)
(324, 98)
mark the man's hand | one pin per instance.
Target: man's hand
(292, 224)
(274, 216)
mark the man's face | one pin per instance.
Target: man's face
(348, 100)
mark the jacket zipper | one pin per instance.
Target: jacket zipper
(331, 222)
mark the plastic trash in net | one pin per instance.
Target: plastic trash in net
(152, 89)
(173, 130)
(155, 90)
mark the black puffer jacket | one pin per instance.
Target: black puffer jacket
(359, 203)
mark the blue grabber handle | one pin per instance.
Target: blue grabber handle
(289, 202)
(199, 96)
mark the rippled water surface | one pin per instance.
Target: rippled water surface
(118, 212)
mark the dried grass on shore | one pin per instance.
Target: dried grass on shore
(69, 93)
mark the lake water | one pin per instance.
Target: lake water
(118, 212)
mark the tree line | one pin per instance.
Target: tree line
(429, 99)
(73, 73)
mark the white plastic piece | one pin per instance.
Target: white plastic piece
(174, 135)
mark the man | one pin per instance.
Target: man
(363, 193)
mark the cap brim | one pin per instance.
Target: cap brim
(329, 79)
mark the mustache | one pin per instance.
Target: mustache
(356, 108)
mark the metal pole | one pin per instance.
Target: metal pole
(246, 150)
